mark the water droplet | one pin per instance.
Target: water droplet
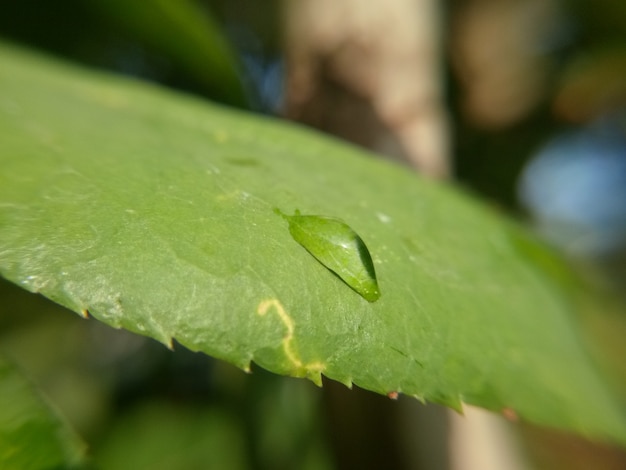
(334, 244)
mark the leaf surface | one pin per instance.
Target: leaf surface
(156, 212)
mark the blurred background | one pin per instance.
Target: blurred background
(522, 102)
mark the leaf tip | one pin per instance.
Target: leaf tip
(315, 376)
(420, 399)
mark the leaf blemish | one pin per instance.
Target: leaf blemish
(312, 370)
(262, 309)
(337, 247)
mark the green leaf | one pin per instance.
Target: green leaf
(187, 35)
(31, 435)
(155, 212)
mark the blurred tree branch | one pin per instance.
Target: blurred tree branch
(370, 72)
